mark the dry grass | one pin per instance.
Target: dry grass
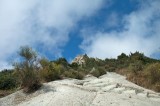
(4, 93)
(148, 78)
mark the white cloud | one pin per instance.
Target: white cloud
(112, 20)
(141, 33)
(39, 23)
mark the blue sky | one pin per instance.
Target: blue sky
(96, 22)
(66, 28)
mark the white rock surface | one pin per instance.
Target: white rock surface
(79, 60)
(108, 90)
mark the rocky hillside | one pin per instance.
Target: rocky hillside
(27, 75)
(110, 89)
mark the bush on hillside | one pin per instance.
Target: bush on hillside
(97, 71)
(154, 72)
(123, 56)
(90, 63)
(50, 71)
(136, 67)
(74, 65)
(74, 74)
(110, 68)
(102, 71)
(148, 77)
(27, 69)
(61, 61)
(7, 80)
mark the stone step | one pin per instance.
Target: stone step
(109, 87)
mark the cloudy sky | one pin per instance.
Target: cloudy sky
(66, 28)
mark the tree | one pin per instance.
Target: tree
(62, 61)
(122, 56)
(27, 69)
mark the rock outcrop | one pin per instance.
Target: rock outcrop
(80, 59)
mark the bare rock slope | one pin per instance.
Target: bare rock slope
(108, 90)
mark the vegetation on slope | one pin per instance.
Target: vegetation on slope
(31, 71)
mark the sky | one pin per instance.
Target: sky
(66, 28)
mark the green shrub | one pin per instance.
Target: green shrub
(90, 63)
(98, 71)
(61, 61)
(51, 71)
(101, 71)
(7, 80)
(110, 68)
(95, 73)
(74, 74)
(74, 66)
(68, 74)
(123, 56)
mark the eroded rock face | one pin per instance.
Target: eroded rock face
(80, 59)
(110, 89)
